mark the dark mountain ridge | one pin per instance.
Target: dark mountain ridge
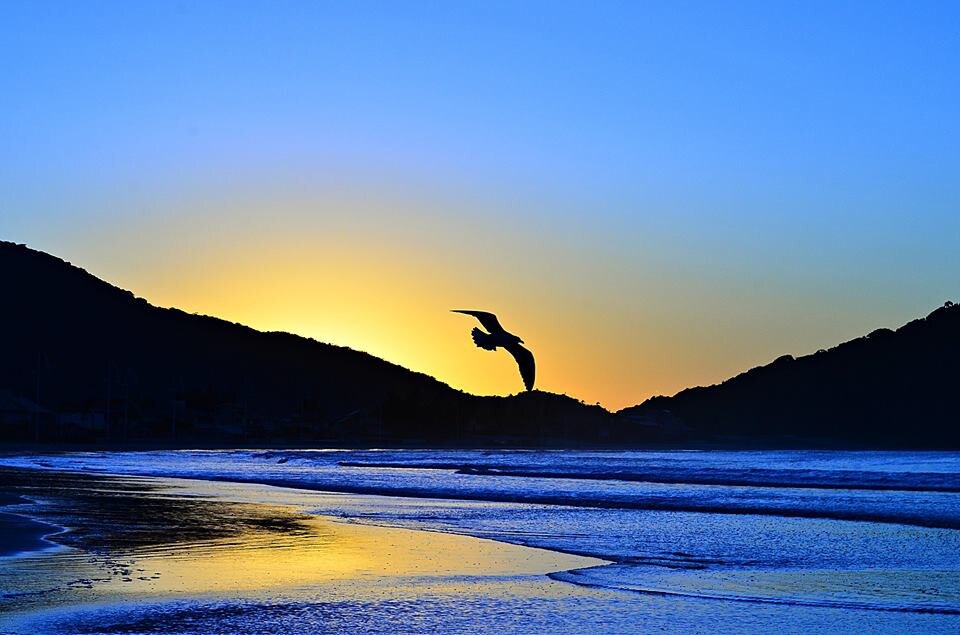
(89, 361)
(887, 389)
(84, 361)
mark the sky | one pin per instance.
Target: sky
(653, 195)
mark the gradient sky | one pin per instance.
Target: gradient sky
(652, 194)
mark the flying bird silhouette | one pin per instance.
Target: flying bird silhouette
(497, 338)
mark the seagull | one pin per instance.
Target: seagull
(498, 337)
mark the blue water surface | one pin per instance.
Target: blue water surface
(814, 530)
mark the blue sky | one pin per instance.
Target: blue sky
(732, 179)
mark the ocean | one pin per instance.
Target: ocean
(841, 532)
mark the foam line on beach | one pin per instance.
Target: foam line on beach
(22, 534)
(923, 482)
(578, 577)
(898, 517)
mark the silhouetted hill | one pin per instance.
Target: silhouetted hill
(86, 361)
(888, 389)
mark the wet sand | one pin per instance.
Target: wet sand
(157, 540)
(151, 556)
(19, 534)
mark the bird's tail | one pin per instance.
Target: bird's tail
(483, 340)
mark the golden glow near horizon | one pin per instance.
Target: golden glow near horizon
(652, 195)
(610, 321)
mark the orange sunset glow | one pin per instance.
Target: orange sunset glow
(379, 273)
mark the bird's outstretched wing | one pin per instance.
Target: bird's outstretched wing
(528, 368)
(488, 320)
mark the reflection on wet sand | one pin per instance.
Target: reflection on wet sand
(146, 538)
(147, 555)
(334, 551)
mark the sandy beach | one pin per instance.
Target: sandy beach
(135, 554)
(156, 541)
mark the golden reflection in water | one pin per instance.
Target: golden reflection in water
(333, 551)
(262, 543)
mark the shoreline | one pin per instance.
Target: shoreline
(145, 552)
(923, 521)
(156, 538)
(21, 534)
(732, 445)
